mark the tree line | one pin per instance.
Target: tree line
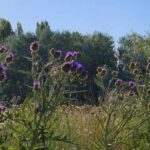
(95, 49)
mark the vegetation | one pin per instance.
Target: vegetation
(72, 91)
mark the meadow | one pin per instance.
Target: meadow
(48, 118)
(69, 91)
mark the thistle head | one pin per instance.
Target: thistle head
(114, 73)
(2, 68)
(66, 66)
(83, 75)
(103, 72)
(34, 46)
(9, 57)
(71, 55)
(57, 54)
(131, 84)
(132, 65)
(3, 76)
(2, 49)
(119, 82)
(36, 85)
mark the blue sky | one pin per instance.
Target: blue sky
(115, 17)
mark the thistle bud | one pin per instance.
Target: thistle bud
(36, 85)
(2, 49)
(119, 82)
(9, 57)
(66, 67)
(132, 65)
(103, 72)
(34, 46)
(114, 73)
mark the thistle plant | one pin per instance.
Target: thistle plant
(33, 123)
(126, 120)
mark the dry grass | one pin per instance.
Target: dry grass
(81, 125)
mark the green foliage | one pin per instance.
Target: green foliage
(5, 29)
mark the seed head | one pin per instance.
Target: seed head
(34, 46)
(99, 69)
(132, 65)
(57, 54)
(2, 49)
(114, 73)
(66, 66)
(9, 57)
(103, 72)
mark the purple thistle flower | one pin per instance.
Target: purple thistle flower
(119, 82)
(2, 68)
(9, 57)
(75, 66)
(2, 49)
(36, 85)
(2, 108)
(131, 84)
(71, 55)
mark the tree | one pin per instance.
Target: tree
(19, 30)
(134, 47)
(5, 29)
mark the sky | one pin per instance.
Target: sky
(114, 17)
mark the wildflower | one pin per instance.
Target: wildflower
(83, 75)
(34, 46)
(103, 72)
(115, 73)
(66, 66)
(9, 57)
(99, 69)
(2, 76)
(2, 49)
(131, 84)
(57, 54)
(36, 85)
(71, 55)
(119, 82)
(79, 68)
(132, 65)
(2, 108)
(143, 71)
(2, 68)
(135, 71)
(148, 66)
(75, 66)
